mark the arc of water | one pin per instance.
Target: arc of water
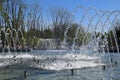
(19, 30)
(90, 23)
(5, 35)
(14, 39)
(8, 30)
(114, 32)
(111, 24)
(1, 38)
(98, 21)
(102, 31)
(108, 19)
(3, 30)
(66, 31)
(73, 45)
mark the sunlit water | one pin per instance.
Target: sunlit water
(57, 65)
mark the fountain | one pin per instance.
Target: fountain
(92, 55)
(12, 41)
(49, 44)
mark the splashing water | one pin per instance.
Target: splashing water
(90, 53)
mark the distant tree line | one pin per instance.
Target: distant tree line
(29, 18)
(15, 14)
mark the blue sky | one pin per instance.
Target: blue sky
(71, 4)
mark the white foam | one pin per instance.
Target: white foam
(55, 65)
(56, 50)
(18, 56)
(5, 56)
(61, 65)
(79, 56)
(4, 64)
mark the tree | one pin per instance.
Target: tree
(34, 21)
(71, 32)
(48, 33)
(60, 19)
(1, 5)
(2, 12)
(15, 13)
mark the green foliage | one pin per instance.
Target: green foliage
(1, 6)
(114, 33)
(1, 1)
(71, 32)
(47, 33)
(13, 15)
(34, 41)
(23, 41)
